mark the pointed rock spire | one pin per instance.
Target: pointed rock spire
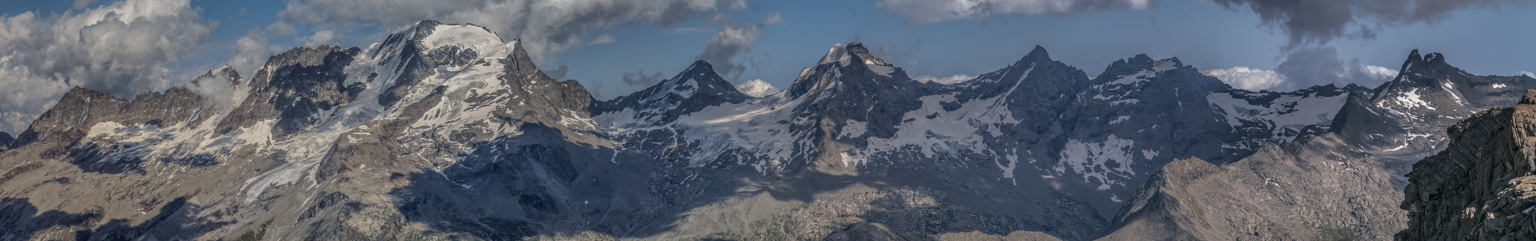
(1039, 53)
(521, 64)
(1413, 57)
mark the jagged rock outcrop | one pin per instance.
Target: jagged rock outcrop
(1481, 187)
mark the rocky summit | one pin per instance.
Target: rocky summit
(1481, 187)
(447, 131)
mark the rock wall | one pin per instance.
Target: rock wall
(1482, 186)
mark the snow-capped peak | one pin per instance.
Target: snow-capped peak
(465, 36)
(838, 54)
(844, 56)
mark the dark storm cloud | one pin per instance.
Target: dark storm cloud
(1317, 22)
(639, 79)
(724, 46)
(1322, 65)
(932, 11)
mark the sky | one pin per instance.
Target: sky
(615, 47)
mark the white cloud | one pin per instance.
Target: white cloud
(757, 88)
(324, 37)
(250, 52)
(932, 11)
(119, 48)
(1527, 73)
(281, 28)
(944, 80)
(1379, 72)
(602, 39)
(1246, 78)
(545, 26)
(774, 18)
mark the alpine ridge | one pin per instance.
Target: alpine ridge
(448, 131)
(1302, 189)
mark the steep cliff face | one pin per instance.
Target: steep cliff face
(1482, 187)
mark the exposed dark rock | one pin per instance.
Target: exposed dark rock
(5, 140)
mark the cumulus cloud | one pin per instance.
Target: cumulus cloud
(119, 48)
(757, 88)
(545, 26)
(933, 11)
(639, 79)
(732, 40)
(1316, 22)
(1322, 65)
(602, 39)
(1246, 78)
(944, 80)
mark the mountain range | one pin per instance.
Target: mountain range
(448, 131)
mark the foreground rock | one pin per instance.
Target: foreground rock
(1481, 187)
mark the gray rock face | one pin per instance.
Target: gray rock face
(293, 88)
(1482, 186)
